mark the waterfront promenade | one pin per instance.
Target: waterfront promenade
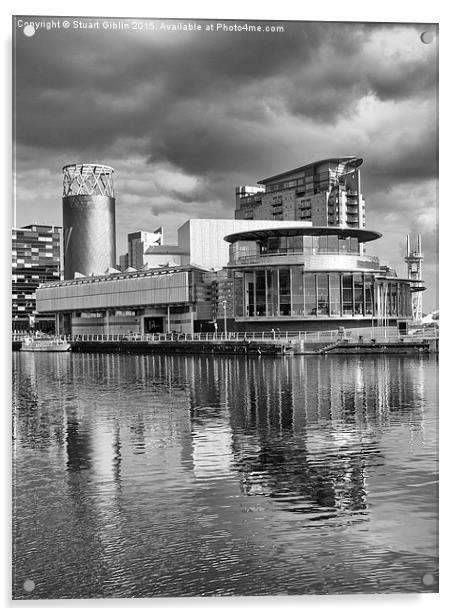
(358, 340)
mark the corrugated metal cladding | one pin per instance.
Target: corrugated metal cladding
(89, 234)
(114, 293)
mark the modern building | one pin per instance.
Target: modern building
(303, 267)
(200, 242)
(183, 297)
(88, 204)
(138, 244)
(325, 193)
(149, 301)
(36, 259)
(314, 278)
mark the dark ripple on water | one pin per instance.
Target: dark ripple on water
(180, 476)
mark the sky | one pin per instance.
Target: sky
(184, 117)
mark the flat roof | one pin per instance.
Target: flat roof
(166, 249)
(363, 235)
(357, 162)
(163, 270)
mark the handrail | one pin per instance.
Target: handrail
(377, 334)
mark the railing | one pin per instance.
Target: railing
(302, 256)
(368, 334)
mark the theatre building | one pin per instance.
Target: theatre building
(312, 278)
(295, 258)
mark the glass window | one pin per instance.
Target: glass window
(297, 291)
(285, 291)
(273, 244)
(283, 244)
(260, 294)
(354, 245)
(358, 293)
(405, 299)
(334, 300)
(368, 299)
(394, 298)
(323, 243)
(238, 295)
(272, 292)
(322, 293)
(310, 293)
(333, 244)
(347, 294)
(295, 244)
(249, 286)
(308, 244)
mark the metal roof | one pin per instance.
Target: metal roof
(357, 162)
(363, 235)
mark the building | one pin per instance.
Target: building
(88, 205)
(312, 278)
(200, 242)
(414, 260)
(304, 267)
(36, 259)
(325, 193)
(138, 244)
(149, 301)
(187, 296)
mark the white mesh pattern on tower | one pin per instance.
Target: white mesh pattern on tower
(88, 179)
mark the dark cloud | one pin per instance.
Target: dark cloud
(224, 109)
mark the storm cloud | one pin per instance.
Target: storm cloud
(184, 117)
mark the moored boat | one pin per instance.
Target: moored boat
(47, 344)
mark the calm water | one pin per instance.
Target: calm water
(140, 476)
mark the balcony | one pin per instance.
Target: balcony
(328, 261)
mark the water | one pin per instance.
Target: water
(141, 476)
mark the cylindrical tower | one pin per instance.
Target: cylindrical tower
(88, 204)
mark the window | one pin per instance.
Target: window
(334, 300)
(250, 294)
(308, 245)
(347, 294)
(272, 292)
(260, 294)
(368, 295)
(333, 244)
(285, 291)
(295, 245)
(297, 291)
(358, 293)
(310, 294)
(322, 293)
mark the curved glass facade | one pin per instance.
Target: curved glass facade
(293, 292)
(296, 245)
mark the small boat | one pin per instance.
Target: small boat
(45, 343)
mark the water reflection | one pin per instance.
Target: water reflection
(138, 462)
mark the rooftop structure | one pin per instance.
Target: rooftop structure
(138, 244)
(325, 193)
(88, 204)
(200, 242)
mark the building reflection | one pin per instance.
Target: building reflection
(303, 430)
(300, 430)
